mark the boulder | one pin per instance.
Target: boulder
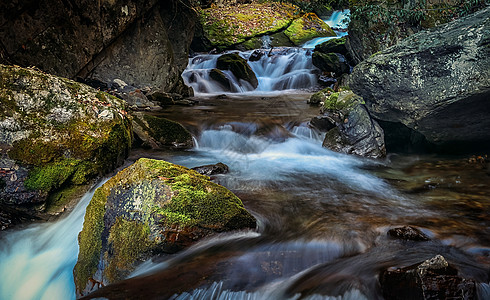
(148, 208)
(160, 133)
(355, 131)
(220, 77)
(330, 62)
(435, 82)
(333, 46)
(307, 27)
(55, 134)
(238, 66)
(435, 278)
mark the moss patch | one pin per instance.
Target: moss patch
(167, 131)
(341, 100)
(51, 176)
(306, 28)
(235, 24)
(129, 240)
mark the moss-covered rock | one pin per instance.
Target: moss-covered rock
(320, 96)
(151, 207)
(333, 46)
(355, 131)
(238, 66)
(160, 133)
(307, 27)
(231, 25)
(58, 133)
(330, 62)
(220, 77)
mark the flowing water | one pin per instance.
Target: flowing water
(322, 216)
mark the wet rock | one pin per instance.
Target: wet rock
(435, 82)
(332, 46)
(148, 208)
(238, 66)
(320, 97)
(331, 62)
(355, 132)
(322, 122)
(220, 77)
(432, 279)
(160, 133)
(256, 55)
(307, 27)
(54, 134)
(219, 168)
(408, 233)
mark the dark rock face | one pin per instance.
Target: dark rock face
(135, 40)
(330, 62)
(408, 233)
(354, 132)
(333, 46)
(220, 77)
(238, 66)
(432, 279)
(219, 168)
(435, 82)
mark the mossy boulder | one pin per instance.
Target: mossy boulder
(330, 62)
(238, 66)
(56, 133)
(307, 27)
(333, 46)
(320, 96)
(223, 27)
(220, 77)
(148, 208)
(355, 131)
(160, 133)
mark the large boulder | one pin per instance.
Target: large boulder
(355, 132)
(55, 133)
(238, 66)
(148, 208)
(135, 40)
(307, 27)
(435, 82)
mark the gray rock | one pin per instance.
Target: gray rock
(355, 131)
(219, 168)
(435, 82)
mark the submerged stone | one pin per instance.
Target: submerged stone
(148, 208)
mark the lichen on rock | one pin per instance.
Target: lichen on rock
(165, 207)
(62, 132)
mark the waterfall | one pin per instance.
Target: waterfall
(277, 70)
(37, 262)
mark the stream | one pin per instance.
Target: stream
(322, 216)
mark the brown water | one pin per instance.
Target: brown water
(323, 216)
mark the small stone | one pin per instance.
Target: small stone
(408, 233)
(13, 177)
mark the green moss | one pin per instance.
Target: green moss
(51, 176)
(306, 28)
(115, 148)
(341, 100)
(34, 152)
(167, 131)
(129, 241)
(90, 238)
(57, 201)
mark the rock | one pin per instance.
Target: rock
(320, 96)
(432, 279)
(219, 168)
(238, 66)
(323, 123)
(330, 62)
(256, 55)
(307, 27)
(55, 133)
(355, 131)
(220, 77)
(148, 208)
(139, 42)
(333, 46)
(160, 133)
(136, 98)
(408, 233)
(224, 28)
(435, 82)
(162, 98)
